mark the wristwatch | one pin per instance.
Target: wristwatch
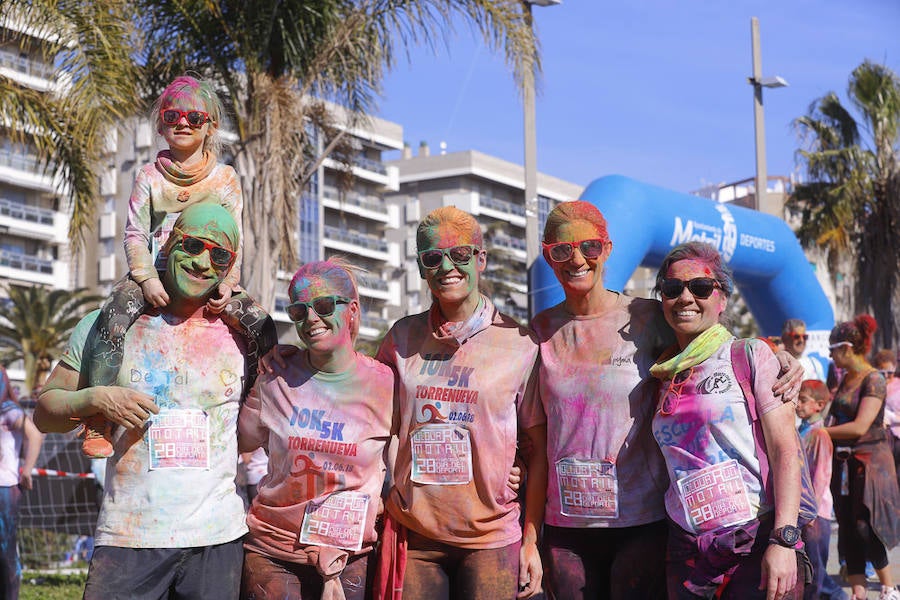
(787, 536)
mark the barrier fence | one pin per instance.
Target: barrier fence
(58, 515)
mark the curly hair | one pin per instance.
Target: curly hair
(186, 88)
(858, 332)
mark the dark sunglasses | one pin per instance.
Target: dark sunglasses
(218, 256)
(323, 305)
(700, 287)
(195, 118)
(799, 336)
(459, 255)
(563, 251)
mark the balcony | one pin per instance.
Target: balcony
(25, 267)
(24, 212)
(369, 207)
(372, 282)
(370, 165)
(506, 243)
(500, 209)
(40, 73)
(353, 241)
(21, 167)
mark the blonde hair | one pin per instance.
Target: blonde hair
(202, 91)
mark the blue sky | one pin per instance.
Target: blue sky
(653, 90)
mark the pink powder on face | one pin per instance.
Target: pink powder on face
(692, 265)
(321, 278)
(569, 212)
(183, 93)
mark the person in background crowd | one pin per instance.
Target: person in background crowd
(819, 451)
(886, 362)
(864, 480)
(738, 538)
(794, 337)
(15, 428)
(325, 421)
(466, 378)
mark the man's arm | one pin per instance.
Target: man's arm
(33, 441)
(64, 399)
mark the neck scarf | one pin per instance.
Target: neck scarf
(177, 174)
(462, 330)
(700, 348)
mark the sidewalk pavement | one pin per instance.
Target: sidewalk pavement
(874, 586)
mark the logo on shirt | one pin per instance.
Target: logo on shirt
(717, 383)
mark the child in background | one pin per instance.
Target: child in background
(819, 449)
(187, 116)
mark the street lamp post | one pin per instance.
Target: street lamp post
(759, 127)
(532, 235)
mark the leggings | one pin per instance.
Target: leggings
(437, 571)
(10, 570)
(619, 563)
(126, 304)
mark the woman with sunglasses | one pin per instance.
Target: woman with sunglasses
(325, 419)
(605, 528)
(864, 480)
(722, 432)
(465, 389)
(187, 116)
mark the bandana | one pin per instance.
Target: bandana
(700, 348)
(174, 172)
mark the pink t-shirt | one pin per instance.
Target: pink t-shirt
(326, 435)
(708, 443)
(11, 415)
(819, 454)
(892, 405)
(460, 401)
(605, 467)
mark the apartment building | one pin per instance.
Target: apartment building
(492, 190)
(34, 216)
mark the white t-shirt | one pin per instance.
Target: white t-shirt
(173, 485)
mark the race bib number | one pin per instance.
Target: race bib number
(441, 455)
(588, 488)
(179, 439)
(715, 497)
(338, 522)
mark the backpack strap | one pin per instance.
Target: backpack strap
(743, 370)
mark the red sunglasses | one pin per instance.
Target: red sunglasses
(195, 118)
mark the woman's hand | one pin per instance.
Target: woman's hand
(277, 356)
(779, 571)
(789, 378)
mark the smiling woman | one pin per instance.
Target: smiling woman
(312, 522)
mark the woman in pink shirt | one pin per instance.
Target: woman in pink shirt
(465, 388)
(324, 417)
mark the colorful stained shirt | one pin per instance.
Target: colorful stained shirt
(461, 400)
(707, 440)
(173, 484)
(326, 435)
(155, 203)
(845, 404)
(819, 449)
(605, 469)
(11, 415)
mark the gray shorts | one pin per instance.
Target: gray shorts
(207, 572)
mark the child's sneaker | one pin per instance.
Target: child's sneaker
(96, 432)
(889, 593)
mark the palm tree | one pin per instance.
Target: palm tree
(35, 323)
(850, 206)
(91, 46)
(277, 62)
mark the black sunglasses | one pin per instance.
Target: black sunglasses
(563, 251)
(700, 287)
(459, 255)
(218, 256)
(195, 118)
(323, 305)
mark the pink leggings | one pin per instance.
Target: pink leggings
(436, 571)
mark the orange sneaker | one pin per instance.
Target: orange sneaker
(96, 431)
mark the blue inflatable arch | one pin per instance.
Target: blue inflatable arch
(645, 222)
